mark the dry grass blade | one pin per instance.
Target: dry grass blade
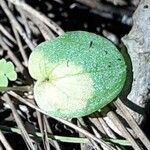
(122, 128)
(25, 23)
(82, 124)
(22, 51)
(4, 141)
(19, 122)
(40, 16)
(97, 121)
(43, 130)
(55, 143)
(47, 144)
(82, 145)
(95, 146)
(105, 127)
(86, 133)
(40, 123)
(46, 32)
(11, 55)
(16, 24)
(7, 34)
(108, 131)
(132, 123)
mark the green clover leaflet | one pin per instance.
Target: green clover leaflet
(7, 72)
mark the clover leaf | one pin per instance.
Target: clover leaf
(7, 72)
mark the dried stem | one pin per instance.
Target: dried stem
(5, 142)
(19, 123)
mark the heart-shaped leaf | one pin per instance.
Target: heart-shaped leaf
(77, 73)
(7, 71)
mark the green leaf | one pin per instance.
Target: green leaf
(3, 81)
(7, 71)
(10, 65)
(77, 74)
(12, 76)
(10, 71)
(2, 65)
(2, 61)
